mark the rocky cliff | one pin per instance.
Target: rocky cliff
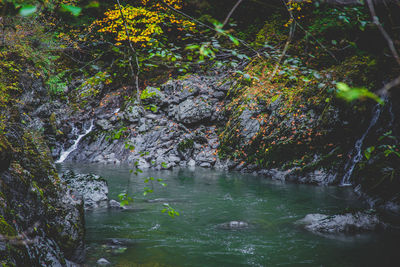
(41, 221)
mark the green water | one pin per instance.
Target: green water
(205, 198)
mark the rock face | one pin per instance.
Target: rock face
(5, 154)
(92, 188)
(348, 223)
(41, 222)
(298, 135)
(182, 131)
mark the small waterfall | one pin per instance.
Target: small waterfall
(357, 150)
(65, 154)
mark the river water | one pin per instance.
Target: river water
(206, 198)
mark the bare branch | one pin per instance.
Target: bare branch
(383, 31)
(230, 13)
(207, 26)
(385, 90)
(291, 33)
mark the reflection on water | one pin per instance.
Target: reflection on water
(143, 236)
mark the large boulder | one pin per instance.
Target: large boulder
(92, 188)
(193, 111)
(349, 223)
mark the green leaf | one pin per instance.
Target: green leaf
(351, 94)
(124, 203)
(233, 39)
(274, 98)
(27, 10)
(74, 10)
(93, 4)
(368, 152)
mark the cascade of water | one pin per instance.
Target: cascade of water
(357, 150)
(65, 154)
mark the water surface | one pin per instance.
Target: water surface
(205, 198)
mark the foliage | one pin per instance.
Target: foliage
(91, 87)
(124, 199)
(171, 211)
(144, 22)
(280, 111)
(57, 83)
(387, 145)
(185, 144)
(117, 134)
(148, 93)
(351, 94)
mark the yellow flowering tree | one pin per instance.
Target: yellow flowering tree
(144, 21)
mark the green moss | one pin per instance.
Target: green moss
(6, 229)
(185, 144)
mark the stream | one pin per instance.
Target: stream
(144, 236)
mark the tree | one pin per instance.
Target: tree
(144, 22)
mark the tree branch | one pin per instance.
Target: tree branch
(230, 13)
(291, 33)
(206, 26)
(135, 75)
(383, 31)
(385, 89)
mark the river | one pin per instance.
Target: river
(144, 236)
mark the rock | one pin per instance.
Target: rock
(319, 177)
(103, 262)
(143, 164)
(143, 126)
(193, 111)
(206, 158)
(219, 95)
(152, 95)
(92, 188)
(250, 127)
(173, 158)
(104, 124)
(191, 163)
(113, 204)
(46, 221)
(348, 223)
(133, 113)
(233, 225)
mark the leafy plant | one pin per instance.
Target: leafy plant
(351, 94)
(117, 134)
(171, 211)
(124, 199)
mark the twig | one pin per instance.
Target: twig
(230, 13)
(207, 26)
(291, 33)
(383, 31)
(385, 89)
(317, 41)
